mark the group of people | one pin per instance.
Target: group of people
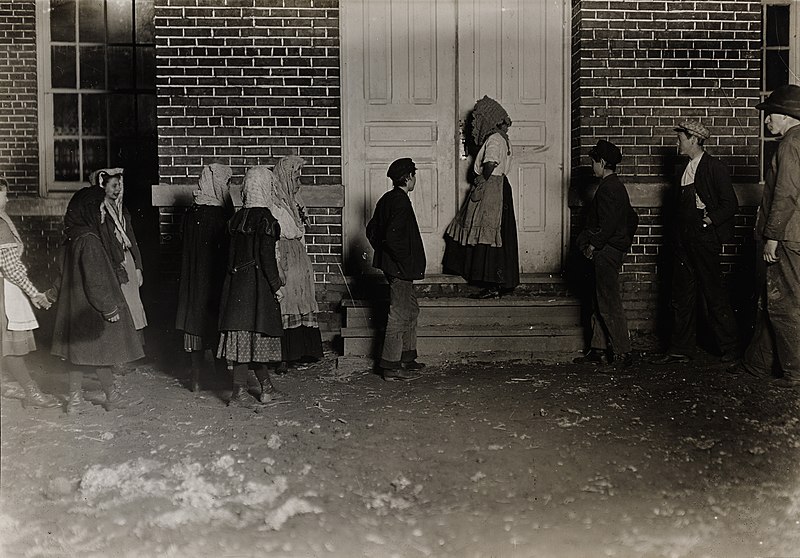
(99, 313)
(481, 246)
(246, 288)
(247, 284)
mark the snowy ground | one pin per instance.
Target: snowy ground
(477, 458)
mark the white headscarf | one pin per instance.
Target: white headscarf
(213, 185)
(259, 187)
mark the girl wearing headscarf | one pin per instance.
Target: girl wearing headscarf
(93, 326)
(301, 336)
(116, 232)
(249, 314)
(17, 320)
(481, 241)
(203, 265)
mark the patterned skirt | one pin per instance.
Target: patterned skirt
(248, 346)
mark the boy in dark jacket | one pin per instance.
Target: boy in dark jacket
(610, 225)
(394, 234)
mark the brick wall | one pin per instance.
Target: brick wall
(245, 82)
(19, 149)
(639, 68)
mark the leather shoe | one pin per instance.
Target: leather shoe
(789, 383)
(390, 374)
(623, 360)
(670, 358)
(413, 365)
(593, 356)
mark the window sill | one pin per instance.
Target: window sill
(54, 205)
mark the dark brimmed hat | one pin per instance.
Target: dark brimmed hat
(784, 100)
(693, 128)
(400, 168)
(607, 151)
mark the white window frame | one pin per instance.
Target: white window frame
(794, 64)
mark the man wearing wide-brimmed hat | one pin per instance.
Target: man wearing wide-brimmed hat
(706, 207)
(776, 341)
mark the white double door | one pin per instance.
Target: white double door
(412, 71)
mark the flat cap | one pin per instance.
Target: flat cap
(784, 100)
(400, 168)
(607, 151)
(693, 128)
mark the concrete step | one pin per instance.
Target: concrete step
(515, 312)
(365, 341)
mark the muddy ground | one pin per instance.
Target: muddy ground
(477, 458)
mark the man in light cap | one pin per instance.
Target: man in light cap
(610, 225)
(776, 340)
(706, 207)
(394, 235)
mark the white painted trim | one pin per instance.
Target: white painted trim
(344, 56)
(42, 71)
(566, 165)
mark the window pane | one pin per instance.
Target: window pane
(65, 114)
(62, 20)
(65, 158)
(120, 68)
(145, 26)
(147, 115)
(777, 69)
(93, 115)
(145, 68)
(62, 66)
(120, 24)
(122, 115)
(94, 156)
(777, 26)
(92, 21)
(93, 67)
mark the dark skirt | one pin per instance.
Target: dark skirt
(301, 343)
(484, 264)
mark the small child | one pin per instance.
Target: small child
(394, 234)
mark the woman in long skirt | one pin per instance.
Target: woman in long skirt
(119, 240)
(17, 320)
(301, 335)
(250, 315)
(203, 263)
(481, 241)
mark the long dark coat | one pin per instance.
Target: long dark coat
(394, 234)
(203, 269)
(88, 294)
(712, 181)
(248, 296)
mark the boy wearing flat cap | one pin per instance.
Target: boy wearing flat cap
(610, 225)
(776, 340)
(706, 206)
(394, 235)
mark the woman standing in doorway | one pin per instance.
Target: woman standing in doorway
(116, 232)
(481, 241)
(301, 336)
(17, 320)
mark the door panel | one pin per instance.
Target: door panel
(405, 85)
(512, 50)
(398, 100)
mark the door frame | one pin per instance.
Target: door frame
(566, 163)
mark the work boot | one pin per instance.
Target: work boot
(413, 365)
(282, 368)
(592, 356)
(269, 392)
(391, 374)
(115, 400)
(240, 398)
(75, 402)
(623, 360)
(36, 399)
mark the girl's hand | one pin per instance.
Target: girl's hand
(40, 300)
(139, 277)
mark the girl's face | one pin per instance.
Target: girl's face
(113, 188)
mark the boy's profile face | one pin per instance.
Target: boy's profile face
(411, 181)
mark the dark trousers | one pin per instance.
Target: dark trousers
(609, 325)
(776, 338)
(400, 341)
(697, 268)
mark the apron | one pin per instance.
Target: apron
(18, 310)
